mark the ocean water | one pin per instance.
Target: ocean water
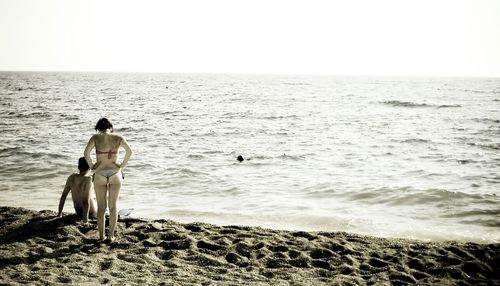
(391, 157)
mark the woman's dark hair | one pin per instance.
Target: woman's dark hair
(103, 124)
(83, 166)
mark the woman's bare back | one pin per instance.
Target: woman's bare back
(105, 142)
(107, 146)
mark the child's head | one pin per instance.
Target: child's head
(83, 166)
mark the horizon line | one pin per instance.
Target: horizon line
(258, 74)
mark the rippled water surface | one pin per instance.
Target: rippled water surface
(398, 157)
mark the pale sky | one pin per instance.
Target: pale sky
(350, 37)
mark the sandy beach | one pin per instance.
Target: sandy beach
(41, 249)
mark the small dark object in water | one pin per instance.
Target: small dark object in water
(240, 158)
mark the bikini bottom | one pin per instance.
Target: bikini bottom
(108, 173)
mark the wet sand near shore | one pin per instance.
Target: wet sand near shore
(39, 248)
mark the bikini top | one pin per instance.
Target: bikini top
(110, 152)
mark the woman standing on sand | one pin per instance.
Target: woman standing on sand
(107, 172)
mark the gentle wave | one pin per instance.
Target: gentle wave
(416, 140)
(488, 212)
(410, 196)
(20, 152)
(449, 105)
(196, 156)
(279, 117)
(487, 146)
(9, 151)
(397, 103)
(487, 120)
(493, 223)
(25, 115)
(186, 172)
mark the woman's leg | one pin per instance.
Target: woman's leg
(115, 184)
(100, 187)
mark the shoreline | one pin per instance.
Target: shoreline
(39, 248)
